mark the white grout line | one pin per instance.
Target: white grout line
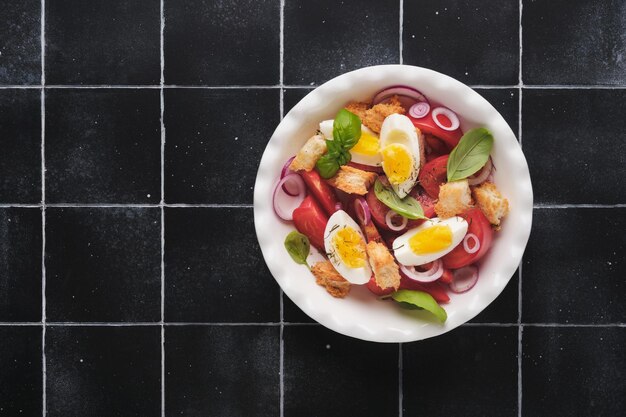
(21, 323)
(401, 28)
(521, 83)
(520, 331)
(44, 409)
(295, 86)
(281, 343)
(519, 284)
(162, 202)
(21, 205)
(400, 378)
(175, 205)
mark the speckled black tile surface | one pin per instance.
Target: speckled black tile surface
(131, 280)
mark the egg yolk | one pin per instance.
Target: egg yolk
(430, 240)
(367, 145)
(397, 163)
(350, 247)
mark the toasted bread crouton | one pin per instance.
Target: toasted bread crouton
(386, 271)
(358, 108)
(491, 202)
(375, 116)
(352, 180)
(454, 198)
(308, 155)
(327, 276)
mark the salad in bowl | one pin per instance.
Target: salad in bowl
(379, 208)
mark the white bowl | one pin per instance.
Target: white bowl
(361, 314)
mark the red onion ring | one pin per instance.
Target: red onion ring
(419, 110)
(393, 227)
(283, 173)
(485, 172)
(295, 201)
(400, 91)
(454, 119)
(362, 210)
(338, 206)
(466, 246)
(433, 274)
(464, 279)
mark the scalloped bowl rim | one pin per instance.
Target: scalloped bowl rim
(361, 314)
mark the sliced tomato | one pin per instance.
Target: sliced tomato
(310, 220)
(363, 167)
(478, 225)
(426, 201)
(433, 174)
(320, 189)
(447, 276)
(435, 147)
(432, 288)
(377, 209)
(373, 287)
(428, 126)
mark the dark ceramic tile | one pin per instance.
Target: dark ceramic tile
(103, 146)
(574, 42)
(573, 141)
(326, 38)
(573, 372)
(476, 43)
(20, 139)
(222, 371)
(506, 101)
(292, 313)
(292, 96)
(574, 267)
(215, 139)
(103, 42)
(214, 270)
(103, 264)
(229, 43)
(20, 42)
(21, 376)
(20, 264)
(327, 374)
(103, 371)
(471, 371)
(504, 309)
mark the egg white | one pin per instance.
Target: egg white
(398, 129)
(402, 249)
(326, 127)
(340, 219)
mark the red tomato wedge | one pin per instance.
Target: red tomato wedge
(435, 147)
(478, 225)
(433, 174)
(374, 288)
(428, 126)
(432, 288)
(322, 192)
(310, 220)
(377, 209)
(447, 276)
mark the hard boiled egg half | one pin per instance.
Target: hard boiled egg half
(367, 149)
(401, 153)
(345, 247)
(429, 241)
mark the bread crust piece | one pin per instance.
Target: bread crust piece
(308, 155)
(353, 180)
(327, 276)
(359, 108)
(493, 205)
(375, 116)
(386, 271)
(454, 198)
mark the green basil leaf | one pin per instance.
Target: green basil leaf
(407, 207)
(334, 148)
(421, 299)
(344, 157)
(298, 247)
(470, 154)
(327, 166)
(347, 129)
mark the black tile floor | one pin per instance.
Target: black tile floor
(131, 281)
